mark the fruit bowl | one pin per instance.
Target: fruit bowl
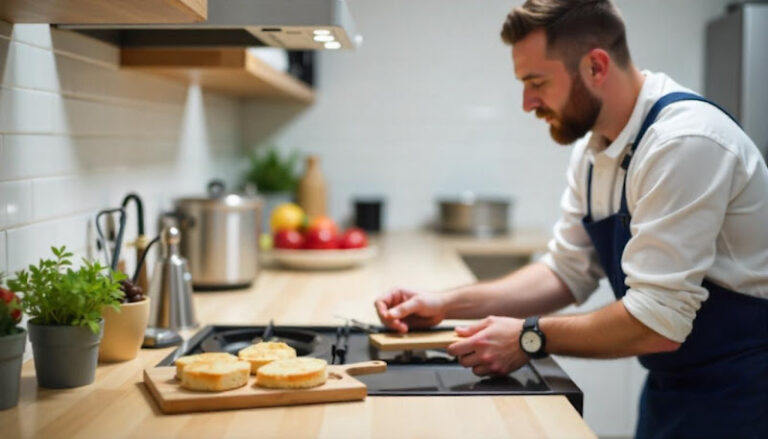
(323, 259)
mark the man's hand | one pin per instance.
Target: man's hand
(491, 347)
(402, 309)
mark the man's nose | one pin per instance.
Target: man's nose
(530, 101)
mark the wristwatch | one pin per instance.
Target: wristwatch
(532, 340)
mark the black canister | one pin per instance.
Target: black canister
(368, 213)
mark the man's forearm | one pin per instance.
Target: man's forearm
(532, 290)
(609, 332)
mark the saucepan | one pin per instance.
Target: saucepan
(220, 237)
(474, 214)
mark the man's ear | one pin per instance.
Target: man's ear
(594, 67)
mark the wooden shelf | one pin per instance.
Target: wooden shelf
(230, 71)
(103, 11)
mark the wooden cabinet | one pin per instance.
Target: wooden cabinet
(103, 11)
(230, 71)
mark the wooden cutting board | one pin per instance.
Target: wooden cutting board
(390, 341)
(340, 386)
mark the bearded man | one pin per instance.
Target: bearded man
(667, 198)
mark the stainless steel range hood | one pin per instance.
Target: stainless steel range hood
(289, 24)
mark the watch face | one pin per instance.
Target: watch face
(531, 341)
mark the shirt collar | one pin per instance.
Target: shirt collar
(649, 93)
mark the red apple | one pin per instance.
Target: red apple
(353, 238)
(321, 239)
(289, 239)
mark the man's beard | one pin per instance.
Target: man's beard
(578, 115)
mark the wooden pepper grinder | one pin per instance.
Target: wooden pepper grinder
(312, 193)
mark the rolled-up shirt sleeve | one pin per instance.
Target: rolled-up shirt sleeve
(678, 198)
(571, 254)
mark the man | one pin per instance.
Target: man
(667, 198)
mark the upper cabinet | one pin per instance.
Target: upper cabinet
(231, 71)
(103, 11)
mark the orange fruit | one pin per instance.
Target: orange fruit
(322, 222)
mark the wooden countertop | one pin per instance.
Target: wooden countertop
(118, 405)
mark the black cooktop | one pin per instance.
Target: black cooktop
(409, 373)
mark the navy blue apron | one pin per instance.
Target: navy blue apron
(716, 384)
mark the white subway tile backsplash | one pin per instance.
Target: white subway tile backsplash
(28, 111)
(41, 112)
(60, 196)
(66, 42)
(21, 156)
(26, 245)
(16, 203)
(37, 68)
(28, 66)
(77, 134)
(3, 253)
(37, 34)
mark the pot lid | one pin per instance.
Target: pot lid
(219, 197)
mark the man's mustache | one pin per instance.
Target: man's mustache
(543, 113)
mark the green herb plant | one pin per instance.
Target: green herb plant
(271, 172)
(56, 294)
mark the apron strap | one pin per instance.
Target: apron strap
(589, 192)
(650, 118)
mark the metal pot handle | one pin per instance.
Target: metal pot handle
(216, 188)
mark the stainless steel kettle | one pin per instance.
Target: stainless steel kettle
(170, 290)
(221, 237)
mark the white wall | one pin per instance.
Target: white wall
(76, 134)
(429, 105)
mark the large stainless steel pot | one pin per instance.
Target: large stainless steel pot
(220, 237)
(475, 215)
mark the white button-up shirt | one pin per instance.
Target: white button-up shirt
(697, 191)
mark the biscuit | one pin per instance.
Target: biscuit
(215, 376)
(296, 373)
(208, 357)
(264, 353)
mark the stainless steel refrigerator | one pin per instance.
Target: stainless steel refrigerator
(736, 73)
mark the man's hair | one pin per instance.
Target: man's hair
(572, 27)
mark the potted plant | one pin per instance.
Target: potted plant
(275, 178)
(124, 326)
(12, 342)
(64, 308)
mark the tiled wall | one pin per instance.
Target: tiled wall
(77, 133)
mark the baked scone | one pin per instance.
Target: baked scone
(265, 352)
(296, 373)
(208, 357)
(215, 376)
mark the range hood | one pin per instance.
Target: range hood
(288, 24)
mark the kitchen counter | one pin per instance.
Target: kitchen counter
(118, 405)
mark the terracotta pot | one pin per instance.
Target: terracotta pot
(123, 331)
